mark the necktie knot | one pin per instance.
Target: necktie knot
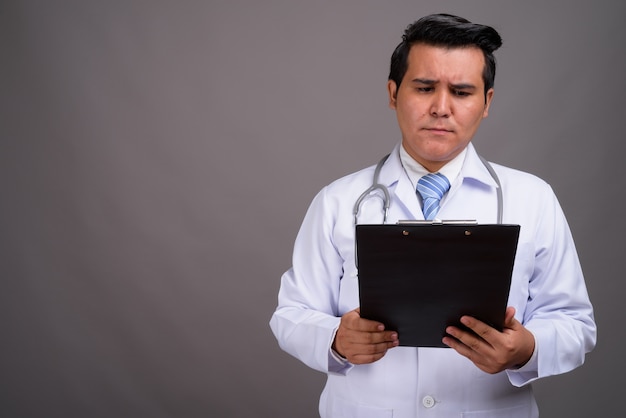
(432, 187)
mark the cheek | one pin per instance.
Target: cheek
(472, 117)
(410, 115)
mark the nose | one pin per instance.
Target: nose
(440, 106)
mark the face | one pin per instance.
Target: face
(440, 102)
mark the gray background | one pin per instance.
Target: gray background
(156, 159)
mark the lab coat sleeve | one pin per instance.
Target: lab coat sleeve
(306, 318)
(558, 311)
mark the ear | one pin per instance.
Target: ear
(488, 98)
(392, 89)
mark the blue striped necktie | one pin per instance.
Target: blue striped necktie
(432, 187)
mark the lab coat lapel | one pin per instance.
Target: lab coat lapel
(474, 197)
(404, 201)
(474, 169)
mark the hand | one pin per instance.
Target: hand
(490, 350)
(362, 341)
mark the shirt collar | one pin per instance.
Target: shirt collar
(471, 168)
(415, 170)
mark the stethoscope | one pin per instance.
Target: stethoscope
(386, 199)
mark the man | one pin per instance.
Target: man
(441, 87)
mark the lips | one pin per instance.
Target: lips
(436, 129)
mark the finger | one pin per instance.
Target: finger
(362, 331)
(467, 352)
(367, 325)
(391, 339)
(369, 353)
(480, 329)
(375, 338)
(354, 321)
(459, 346)
(467, 339)
(455, 343)
(509, 317)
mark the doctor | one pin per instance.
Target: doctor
(441, 87)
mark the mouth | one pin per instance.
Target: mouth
(438, 130)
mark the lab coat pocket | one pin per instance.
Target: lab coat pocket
(519, 411)
(341, 408)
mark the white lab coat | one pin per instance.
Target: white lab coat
(547, 291)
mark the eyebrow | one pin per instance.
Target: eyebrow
(429, 82)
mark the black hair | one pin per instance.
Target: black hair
(448, 31)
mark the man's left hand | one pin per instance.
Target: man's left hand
(490, 350)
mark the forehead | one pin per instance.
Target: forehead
(458, 64)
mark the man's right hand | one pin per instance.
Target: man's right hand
(362, 341)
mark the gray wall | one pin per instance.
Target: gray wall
(156, 159)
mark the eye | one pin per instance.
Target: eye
(425, 89)
(461, 93)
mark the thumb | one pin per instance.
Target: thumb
(509, 317)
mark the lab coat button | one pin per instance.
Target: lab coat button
(428, 401)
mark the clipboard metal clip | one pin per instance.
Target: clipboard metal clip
(438, 222)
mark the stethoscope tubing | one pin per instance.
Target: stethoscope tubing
(386, 199)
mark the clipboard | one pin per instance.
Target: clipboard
(419, 277)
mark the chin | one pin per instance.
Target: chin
(440, 156)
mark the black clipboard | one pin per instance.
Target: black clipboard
(419, 278)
